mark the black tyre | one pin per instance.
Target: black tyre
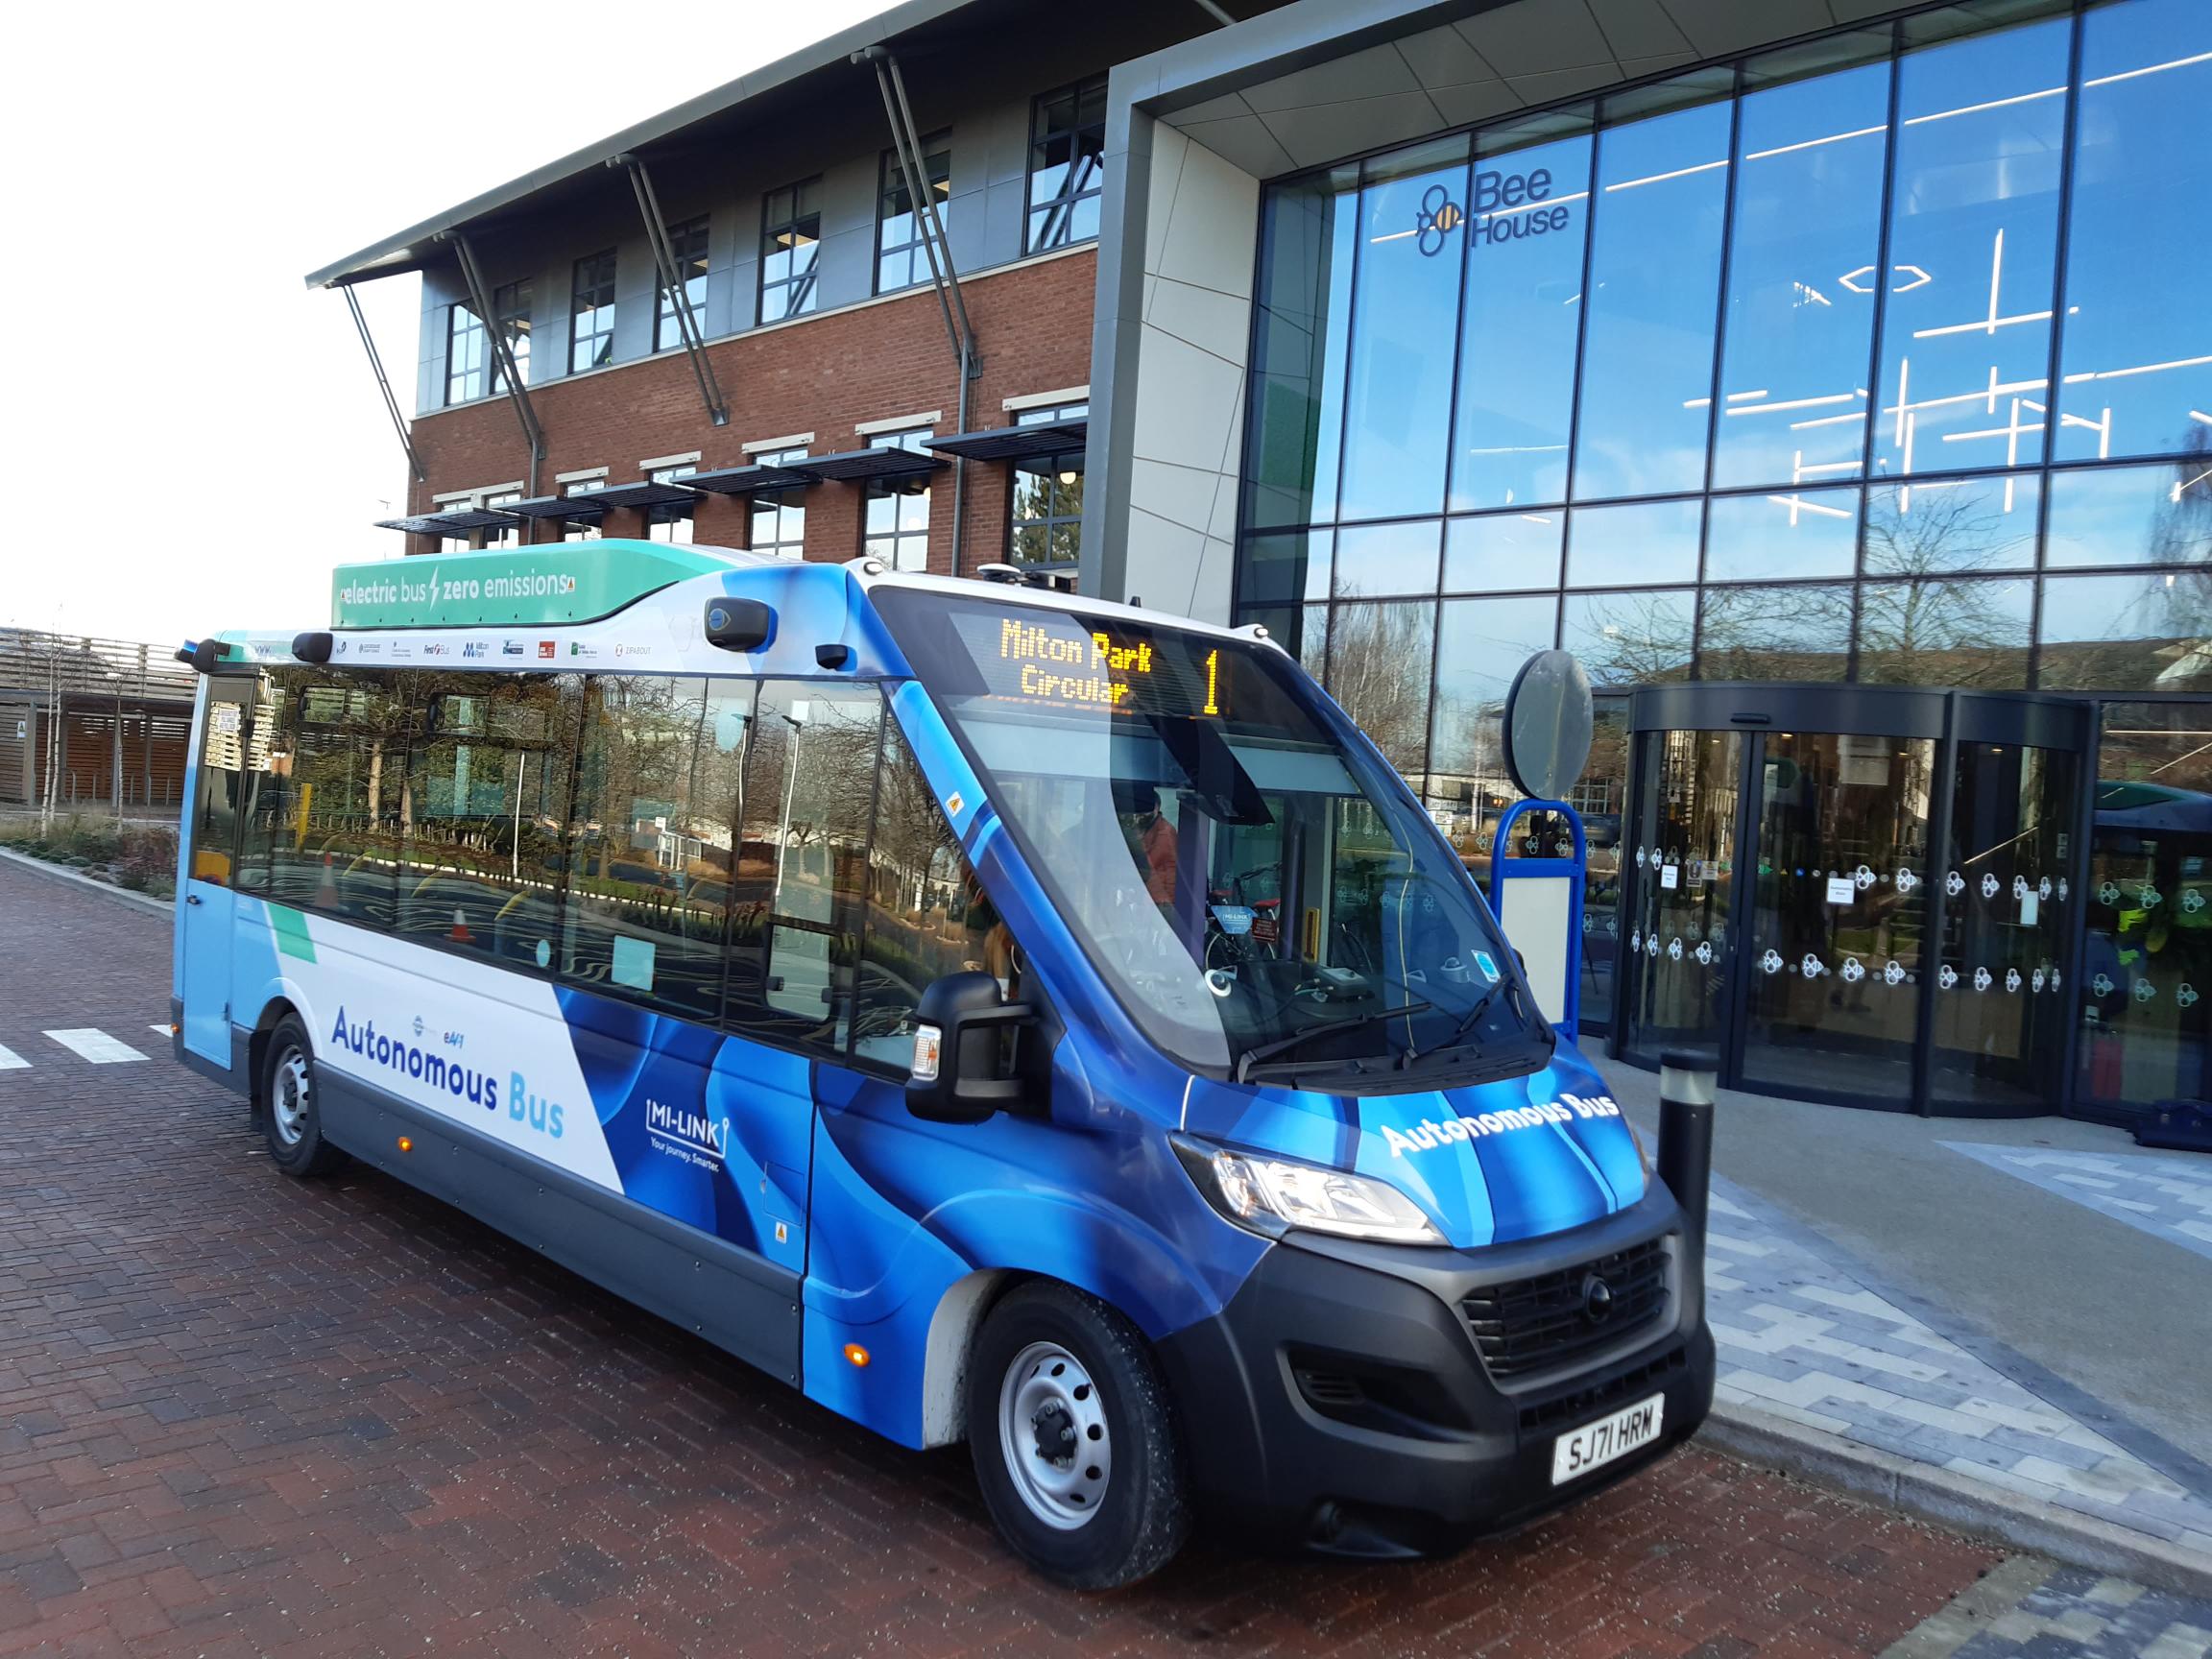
(1075, 1441)
(289, 1120)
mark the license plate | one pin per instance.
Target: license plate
(1579, 1451)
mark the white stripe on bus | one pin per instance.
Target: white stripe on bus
(90, 1042)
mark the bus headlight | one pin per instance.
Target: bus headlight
(1271, 1195)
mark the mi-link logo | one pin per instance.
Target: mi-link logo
(691, 1135)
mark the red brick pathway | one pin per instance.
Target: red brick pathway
(240, 1415)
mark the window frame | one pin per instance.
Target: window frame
(890, 182)
(466, 384)
(604, 269)
(512, 304)
(689, 242)
(1049, 520)
(1058, 213)
(895, 543)
(778, 502)
(807, 284)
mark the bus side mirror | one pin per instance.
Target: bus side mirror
(957, 1077)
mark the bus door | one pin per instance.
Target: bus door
(226, 739)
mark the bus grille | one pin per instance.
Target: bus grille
(1550, 1320)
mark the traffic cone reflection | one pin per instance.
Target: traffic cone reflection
(460, 934)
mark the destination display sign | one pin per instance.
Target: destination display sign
(1042, 659)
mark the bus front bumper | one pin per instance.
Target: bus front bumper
(1338, 1402)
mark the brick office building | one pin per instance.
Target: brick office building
(816, 332)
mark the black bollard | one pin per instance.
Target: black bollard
(1686, 1084)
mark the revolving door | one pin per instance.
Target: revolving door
(1868, 895)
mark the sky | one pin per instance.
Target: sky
(193, 433)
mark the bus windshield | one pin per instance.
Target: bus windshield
(1268, 901)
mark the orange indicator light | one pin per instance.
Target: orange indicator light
(856, 1354)
(405, 1144)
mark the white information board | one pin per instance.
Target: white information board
(1536, 911)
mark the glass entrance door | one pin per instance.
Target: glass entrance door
(1836, 912)
(1682, 856)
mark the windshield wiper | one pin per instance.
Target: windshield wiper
(1458, 1032)
(1252, 1057)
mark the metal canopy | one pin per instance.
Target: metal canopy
(749, 480)
(643, 494)
(1017, 442)
(457, 522)
(584, 508)
(865, 463)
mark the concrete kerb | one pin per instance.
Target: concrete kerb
(163, 907)
(1958, 1503)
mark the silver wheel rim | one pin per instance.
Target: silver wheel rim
(1053, 1437)
(289, 1095)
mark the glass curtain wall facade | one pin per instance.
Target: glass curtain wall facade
(1882, 358)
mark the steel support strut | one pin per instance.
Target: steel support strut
(943, 278)
(687, 327)
(503, 360)
(384, 386)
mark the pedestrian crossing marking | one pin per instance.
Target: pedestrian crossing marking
(160, 1030)
(11, 1061)
(90, 1042)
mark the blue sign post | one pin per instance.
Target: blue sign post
(1547, 725)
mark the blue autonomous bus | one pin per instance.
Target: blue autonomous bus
(1005, 1016)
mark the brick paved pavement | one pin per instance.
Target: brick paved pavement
(241, 1415)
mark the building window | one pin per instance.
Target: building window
(688, 242)
(511, 313)
(896, 526)
(779, 526)
(790, 247)
(901, 258)
(1048, 497)
(579, 529)
(673, 523)
(591, 313)
(1066, 165)
(466, 346)
(509, 534)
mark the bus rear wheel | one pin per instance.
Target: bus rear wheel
(1075, 1443)
(290, 1122)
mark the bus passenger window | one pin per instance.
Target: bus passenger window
(652, 838)
(926, 914)
(481, 819)
(809, 777)
(321, 808)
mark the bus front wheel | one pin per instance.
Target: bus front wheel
(1075, 1440)
(290, 1122)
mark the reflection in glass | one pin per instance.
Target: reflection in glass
(1302, 314)
(1301, 629)
(2147, 633)
(1793, 365)
(1947, 524)
(1838, 1003)
(2132, 516)
(1387, 558)
(1527, 218)
(1379, 667)
(1654, 270)
(1805, 533)
(2001, 1013)
(2145, 989)
(1973, 232)
(2137, 356)
(1503, 551)
(1398, 407)
(1646, 542)
(1291, 566)
(1482, 644)
(1630, 639)
(1946, 631)
(1776, 633)
(1679, 927)
(1599, 796)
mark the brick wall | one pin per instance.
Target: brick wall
(823, 376)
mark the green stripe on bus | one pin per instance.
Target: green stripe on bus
(292, 936)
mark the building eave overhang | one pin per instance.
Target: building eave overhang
(414, 247)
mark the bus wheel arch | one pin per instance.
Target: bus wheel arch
(258, 1053)
(953, 1330)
